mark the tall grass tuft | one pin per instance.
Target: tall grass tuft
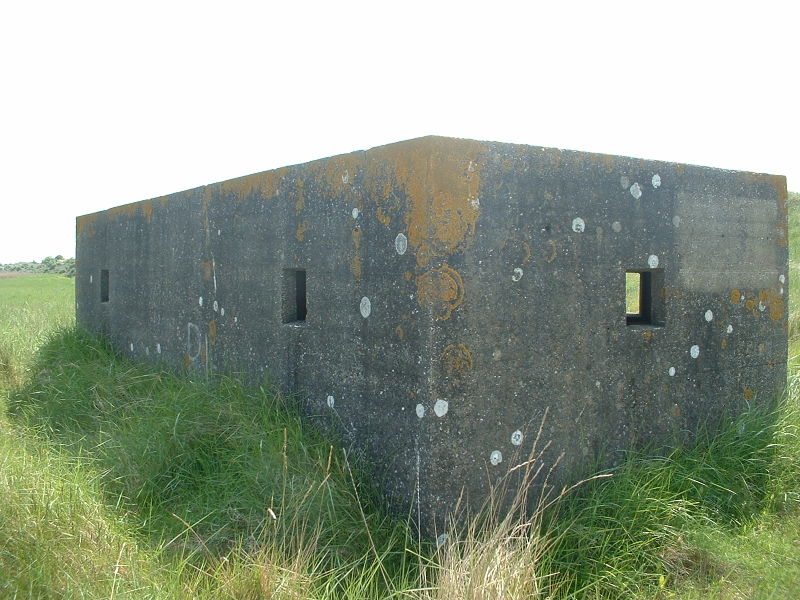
(123, 480)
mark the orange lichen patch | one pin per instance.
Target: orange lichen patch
(207, 268)
(748, 394)
(400, 332)
(87, 222)
(783, 197)
(456, 360)
(203, 352)
(762, 347)
(680, 169)
(773, 303)
(355, 267)
(441, 291)
(339, 171)
(736, 296)
(357, 238)
(778, 182)
(264, 184)
(147, 209)
(212, 332)
(647, 334)
(127, 210)
(441, 182)
(382, 217)
(518, 251)
(750, 305)
(724, 343)
(300, 203)
(783, 233)
(300, 233)
(424, 255)
(408, 275)
(187, 360)
(676, 410)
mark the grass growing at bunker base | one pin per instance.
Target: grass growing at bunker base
(119, 480)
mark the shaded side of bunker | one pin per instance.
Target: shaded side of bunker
(432, 299)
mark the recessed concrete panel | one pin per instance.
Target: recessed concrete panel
(432, 299)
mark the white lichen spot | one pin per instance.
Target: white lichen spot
(517, 274)
(219, 232)
(578, 225)
(158, 348)
(694, 351)
(497, 354)
(401, 243)
(782, 278)
(131, 346)
(671, 371)
(597, 384)
(709, 316)
(346, 177)
(624, 182)
(441, 540)
(781, 291)
(91, 278)
(516, 437)
(365, 307)
(200, 301)
(636, 191)
(475, 202)
(216, 306)
(496, 457)
(656, 181)
(652, 261)
(761, 306)
(440, 408)
(420, 411)
(729, 329)
(221, 311)
(355, 213)
(616, 226)
(676, 221)
(235, 319)
(331, 401)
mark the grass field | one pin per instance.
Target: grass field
(121, 481)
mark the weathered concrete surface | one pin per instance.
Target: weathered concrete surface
(456, 290)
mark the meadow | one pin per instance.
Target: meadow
(119, 480)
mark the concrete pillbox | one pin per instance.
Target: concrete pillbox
(431, 299)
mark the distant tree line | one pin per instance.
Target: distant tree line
(51, 264)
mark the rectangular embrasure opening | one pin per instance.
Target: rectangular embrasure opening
(633, 291)
(644, 301)
(294, 296)
(103, 285)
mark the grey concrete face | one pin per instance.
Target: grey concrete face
(431, 299)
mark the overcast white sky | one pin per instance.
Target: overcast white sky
(104, 103)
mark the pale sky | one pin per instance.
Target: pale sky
(105, 103)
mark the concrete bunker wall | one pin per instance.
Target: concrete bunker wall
(431, 299)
